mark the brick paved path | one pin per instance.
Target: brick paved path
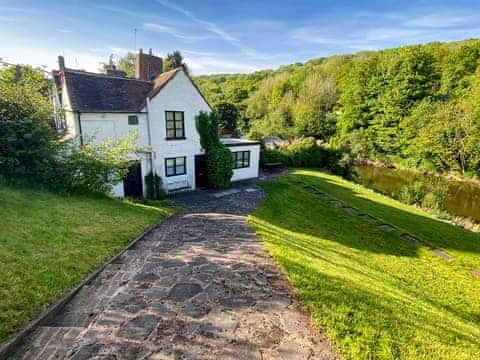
(200, 286)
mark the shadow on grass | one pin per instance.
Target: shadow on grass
(381, 320)
(372, 291)
(430, 231)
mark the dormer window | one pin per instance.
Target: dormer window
(132, 120)
(175, 125)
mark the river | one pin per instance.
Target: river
(463, 198)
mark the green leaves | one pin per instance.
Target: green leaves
(219, 158)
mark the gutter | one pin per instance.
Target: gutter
(80, 128)
(149, 136)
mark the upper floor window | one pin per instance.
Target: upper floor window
(175, 125)
(132, 120)
(241, 159)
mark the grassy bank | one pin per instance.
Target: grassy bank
(375, 295)
(48, 243)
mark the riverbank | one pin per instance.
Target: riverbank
(474, 181)
(456, 201)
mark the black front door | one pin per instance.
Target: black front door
(132, 183)
(201, 171)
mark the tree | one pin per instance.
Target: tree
(127, 64)
(173, 61)
(313, 109)
(228, 116)
(28, 139)
(32, 150)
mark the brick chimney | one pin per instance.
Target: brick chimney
(147, 66)
(61, 63)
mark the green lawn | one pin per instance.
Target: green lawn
(375, 295)
(48, 243)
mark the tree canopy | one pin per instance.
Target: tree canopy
(174, 60)
(416, 106)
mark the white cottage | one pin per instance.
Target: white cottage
(161, 108)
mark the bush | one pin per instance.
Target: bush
(94, 167)
(33, 152)
(28, 139)
(427, 195)
(154, 189)
(219, 158)
(413, 194)
(309, 153)
(219, 167)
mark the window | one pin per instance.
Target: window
(175, 166)
(175, 125)
(241, 159)
(132, 120)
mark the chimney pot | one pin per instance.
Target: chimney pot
(61, 63)
(150, 51)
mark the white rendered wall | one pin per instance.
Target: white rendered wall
(252, 170)
(98, 127)
(178, 95)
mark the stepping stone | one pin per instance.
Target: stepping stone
(367, 218)
(412, 240)
(475, 272)
(350, 210)
(322, 195)
(387, 227)
(336, 203)
(441, 254)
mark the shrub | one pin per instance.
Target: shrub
(219, 167)
(219, 158)
(94, 167)
(307, 153)
(310, 153)
(28, 139)
(33, 152)
(207, 126)
(154, 189)
(427, 195)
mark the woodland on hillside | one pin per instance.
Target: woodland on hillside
(416, 106)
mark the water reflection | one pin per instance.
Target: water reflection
(463, 199)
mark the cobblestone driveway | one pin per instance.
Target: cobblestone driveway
(200, 286)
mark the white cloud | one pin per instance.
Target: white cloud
(119, 50)
(215, 29)
(205, 64)
(313, 35)
(437, 21)
(173, 32)
(390, 33)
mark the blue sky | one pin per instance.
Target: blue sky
(224, 36)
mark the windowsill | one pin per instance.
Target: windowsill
(170, 176)
(176, 138)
